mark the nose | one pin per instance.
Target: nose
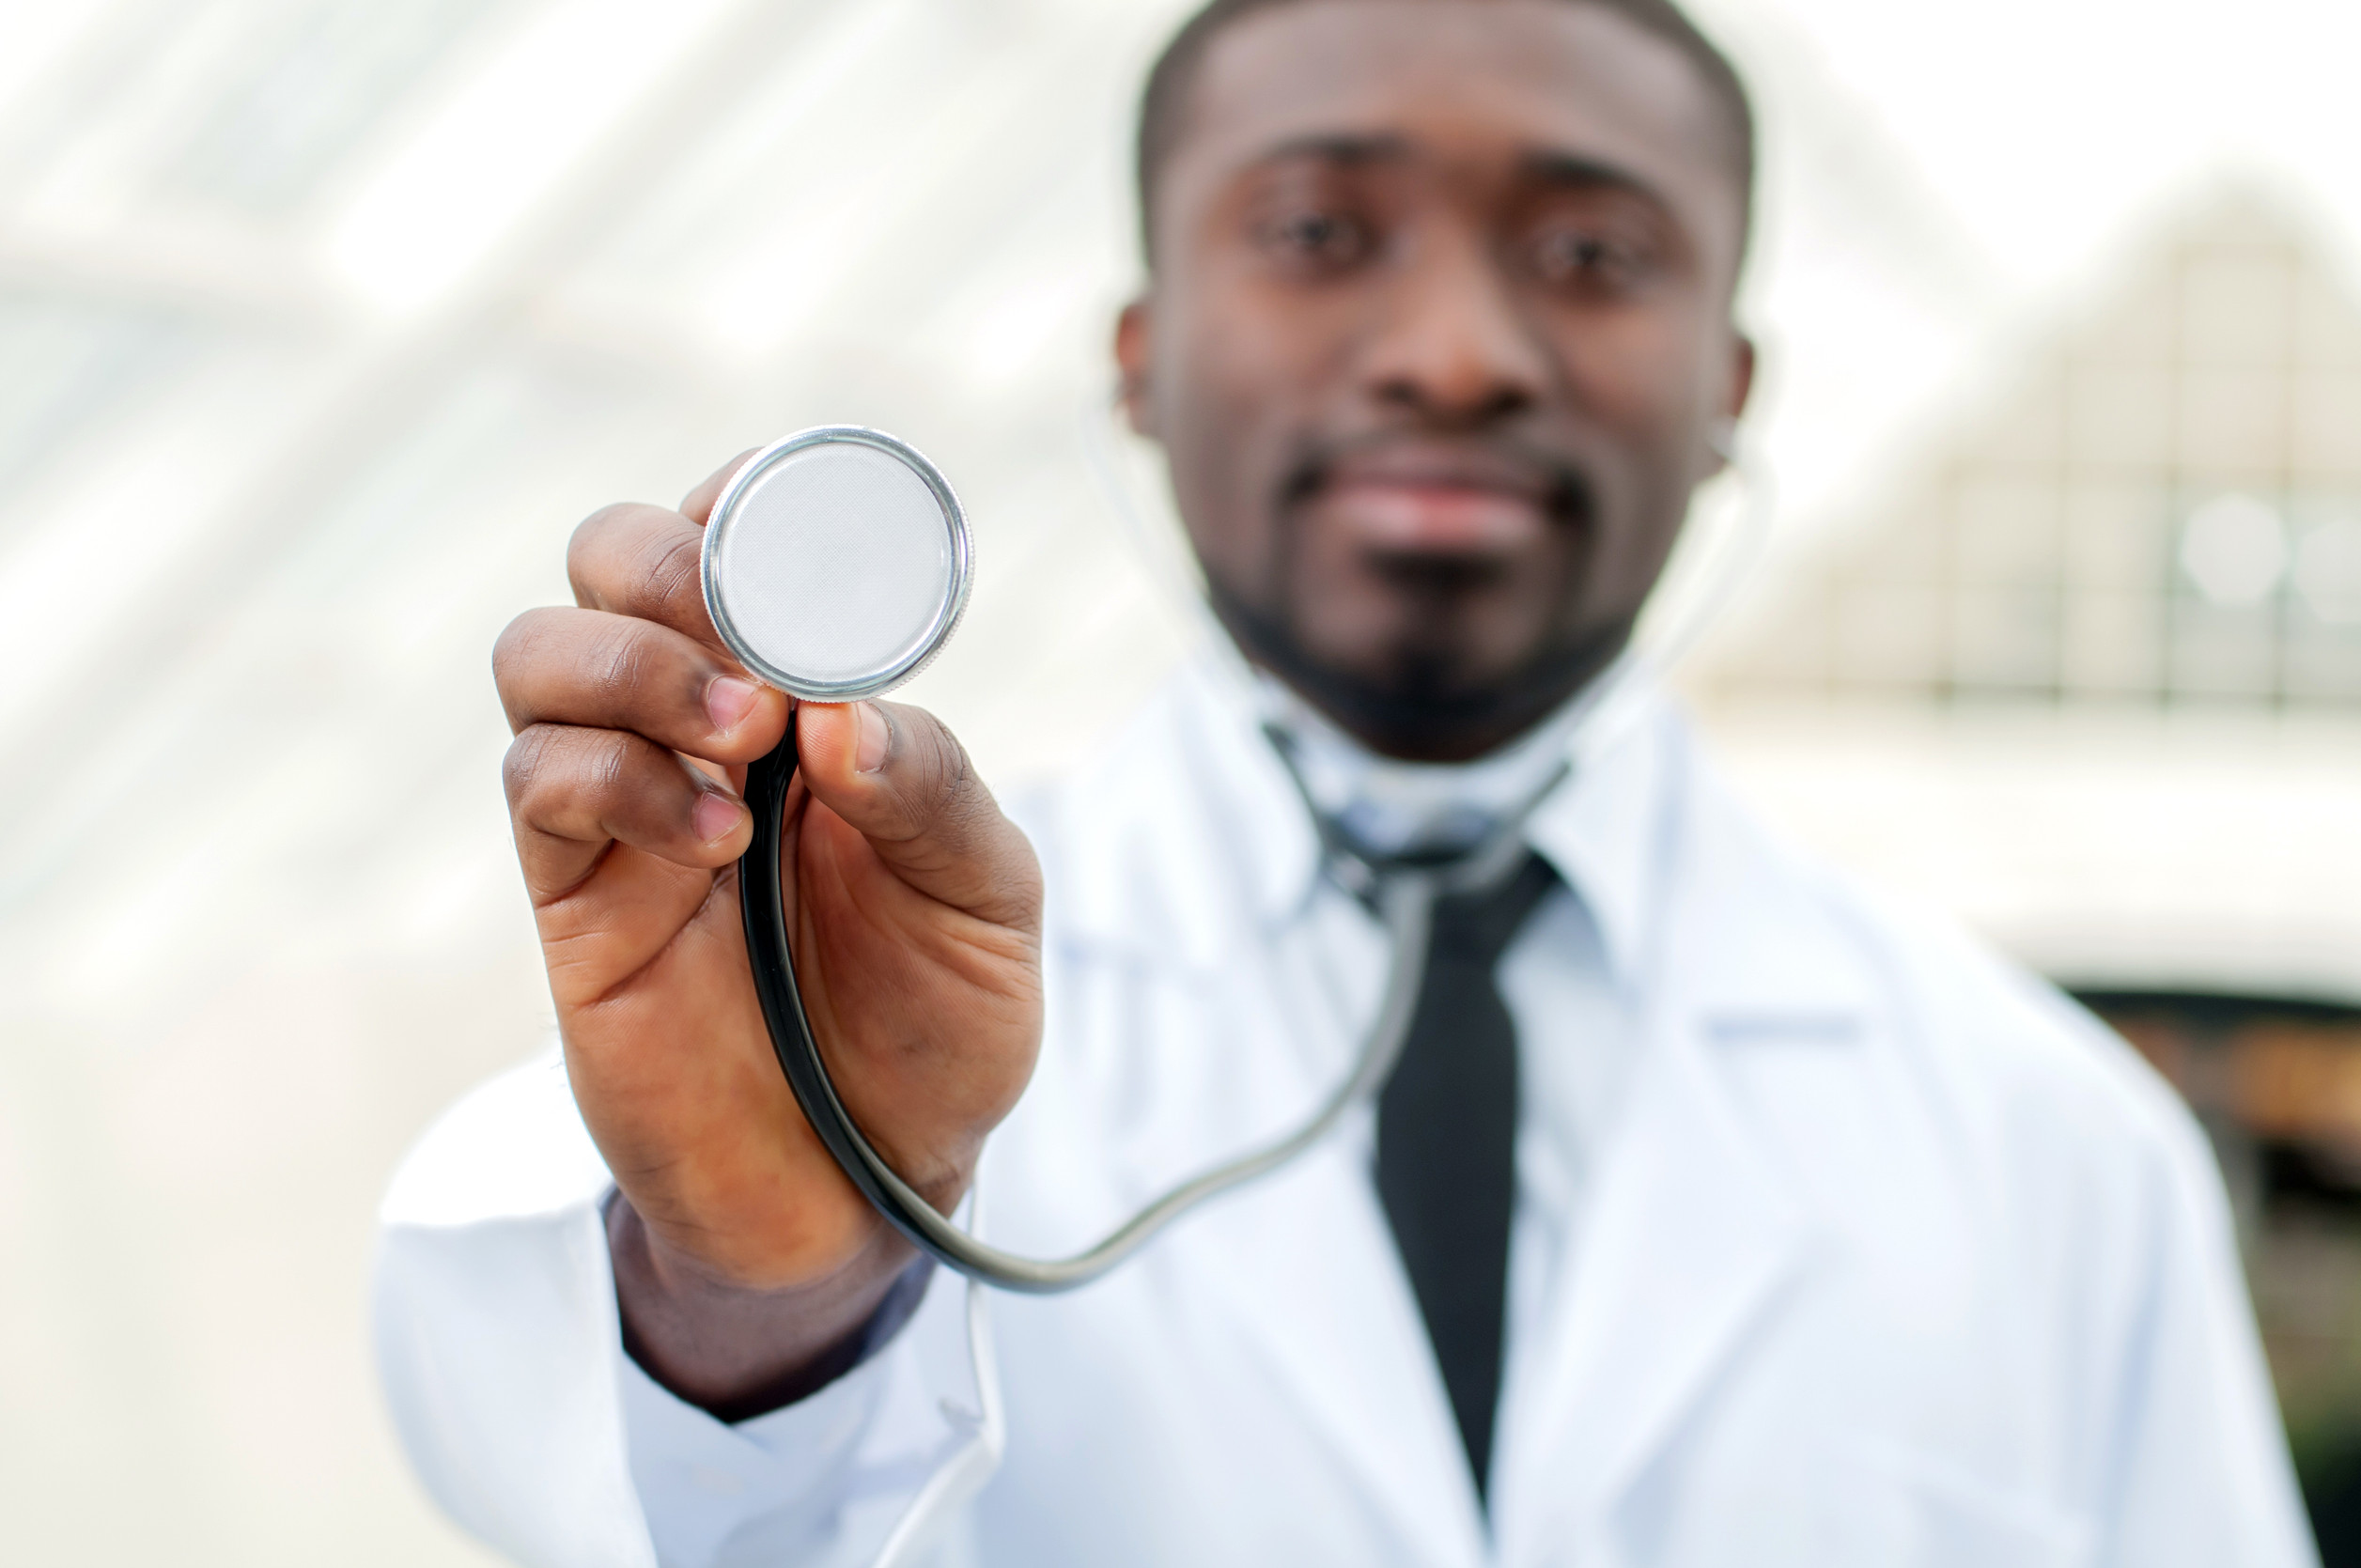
(1451, 347)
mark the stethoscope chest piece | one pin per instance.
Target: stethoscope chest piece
(836, 563)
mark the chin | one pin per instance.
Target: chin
(1422, 704)
(1424, 696)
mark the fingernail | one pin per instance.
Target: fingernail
(714, 817)
(728, 699)
(869, 747)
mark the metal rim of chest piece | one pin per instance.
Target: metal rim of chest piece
(743, 546)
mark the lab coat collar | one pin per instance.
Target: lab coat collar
(1603, 831)
(1599, 829)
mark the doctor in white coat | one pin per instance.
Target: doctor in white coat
(1715, 1214)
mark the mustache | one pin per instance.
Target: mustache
(1561, 481)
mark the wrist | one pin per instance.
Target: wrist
(736, 1350)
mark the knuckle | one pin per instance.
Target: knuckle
(946, 794)
(510, 644)
(514, 648)
(638, 559)
(591, 529)
(522, 767)
(606, 762)
(955, 778)
(617, 663)
(583, 545)
(552, 769)
(671, 568)
(632, 550)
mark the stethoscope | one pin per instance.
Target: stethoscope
(836, 563)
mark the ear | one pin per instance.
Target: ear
(1134, 348)
(1741, 377)
(1735, 394)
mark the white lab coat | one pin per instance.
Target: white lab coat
(1886, 1254)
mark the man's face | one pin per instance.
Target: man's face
(1437, 331)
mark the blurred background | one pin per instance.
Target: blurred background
(322, 323)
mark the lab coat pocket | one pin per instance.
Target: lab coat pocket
(1901, 1506)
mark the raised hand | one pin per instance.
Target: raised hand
(742, 1256)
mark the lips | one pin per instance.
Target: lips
(1431, 498)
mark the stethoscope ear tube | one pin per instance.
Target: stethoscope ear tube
(1404, 900)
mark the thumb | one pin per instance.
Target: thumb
(897, 776)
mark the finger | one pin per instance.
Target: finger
(901, 779)
(697, 505)
(633, 559)
(573, 792)
(587, 667)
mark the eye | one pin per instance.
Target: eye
(1578, 256)
(1315, 237)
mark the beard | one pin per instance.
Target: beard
(1422, 704)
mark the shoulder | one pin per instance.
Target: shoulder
(2064, 1090)
(512, 1148)
(2017, 1082)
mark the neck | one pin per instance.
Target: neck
(1388, 807)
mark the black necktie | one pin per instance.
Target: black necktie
(1447, 1148)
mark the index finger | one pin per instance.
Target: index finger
(638, 560)
(642, 561)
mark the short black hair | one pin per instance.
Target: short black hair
(1165, 97)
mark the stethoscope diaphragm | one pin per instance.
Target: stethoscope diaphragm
(836, 563)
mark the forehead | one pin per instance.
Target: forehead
(1459, 79)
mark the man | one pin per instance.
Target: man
(1712, 1216)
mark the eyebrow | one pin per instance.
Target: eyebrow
(1576, 171)
(1550, 166)
(1343, 146)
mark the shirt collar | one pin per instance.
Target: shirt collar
(1384, 807)
(1600, 829)
(1603, 831)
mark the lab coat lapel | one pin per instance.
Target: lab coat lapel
(1693, 1231)
(1306, 1272)
(1688, 1242)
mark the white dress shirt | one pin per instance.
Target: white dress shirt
(1836, 1242)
